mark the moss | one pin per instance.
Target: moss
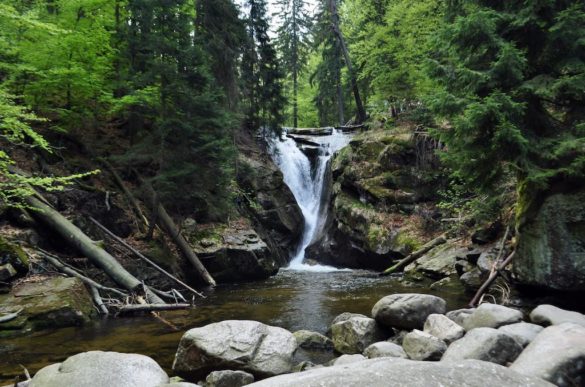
(408, 239)
(12, 253)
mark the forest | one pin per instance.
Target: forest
(226, 177)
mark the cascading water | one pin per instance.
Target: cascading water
(306, 182)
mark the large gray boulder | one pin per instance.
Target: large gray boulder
(522, 332)
(228, 378)
(347, 359)
(443, 328)
(492, 316)
(102, 369)
(550, 251)
(557, 354)
(355, 334)
(423, 346)
(384, 372)
(551, 315)
(248, 346)
(384, 349)
(407, 310)
(313, 340)
(459, 316)
(485, 344)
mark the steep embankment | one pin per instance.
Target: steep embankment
(383, 199)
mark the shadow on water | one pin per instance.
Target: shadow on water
(292, 300)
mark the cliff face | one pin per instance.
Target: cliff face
(382, 203)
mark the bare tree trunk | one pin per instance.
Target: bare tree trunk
(98, 256)
(167, 224)
(361, 112)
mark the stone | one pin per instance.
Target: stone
(438, 263)
(551, 315)
(407, 310)
(472, 279)
(345, 316)
(384, 349)
(250, 346)
(355, 334)
(486, 260)
(179, 384)
(462, 266)
(420, 345)
(522, 332)
(398, 337)
(459, 316)
(550, 252)
(313, 340)
(485, 344)
(52, 302)
(102, 369)
(347, 359)
(237, 255)
(7, 271)
(557, 354)
(228, 378)
(492, 316)
(384, 372)
(443, 328)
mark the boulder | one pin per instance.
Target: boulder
(345, 316)
(51, 302)
(407, 310)
(313, 340)
(557, 354)
(551, 315)
(485, 344)
(459, 316)
(438, 263)
(492, 316)
(423, 346)
(228, 378)
(102, 369)
(355, 334)
(249, 346)
(383, 372)
(550, 252)
(347, 359)
(443, 328)
(522, 332)
(236, 255)
(472, 279)
(384, 349)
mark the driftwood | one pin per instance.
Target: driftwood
(493, 275)
(69, 271)
(97, 299)
(151, 307)
(10, 316)
(98, 256)
(144, 258)
(349, 128)
(169, 226)
(302, 141)
(414, 256)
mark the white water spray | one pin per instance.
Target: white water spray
(306, 184)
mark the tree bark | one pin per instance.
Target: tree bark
(169, 226)
(98, 256)
(414, 256)
(361, 112)
(151, 307)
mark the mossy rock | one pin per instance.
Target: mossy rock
(13, 254)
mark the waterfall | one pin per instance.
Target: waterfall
(306, 182)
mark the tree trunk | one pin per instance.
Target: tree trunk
(167, 224)
(98, 256)
(361, 112)
(340, 108)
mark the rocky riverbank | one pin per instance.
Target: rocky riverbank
(409, 339)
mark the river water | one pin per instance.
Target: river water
(292, 299)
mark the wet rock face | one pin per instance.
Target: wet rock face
(52, 302)
(250, 346)
(269, 203)
(551, 247)
(102, 369)
(379, 197)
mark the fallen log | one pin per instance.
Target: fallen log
(414, 256)
(98, 256)
(325, 131)
(171, 229)
(133, 308)
(303, 141)
(144, 258)
(350, 128)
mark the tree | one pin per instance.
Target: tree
(261, 72)
(513, 90)
(293, 43)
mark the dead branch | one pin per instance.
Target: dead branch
(493, 275)
(10, 316)
(133, 308)
(97, 299)
(414, 256)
